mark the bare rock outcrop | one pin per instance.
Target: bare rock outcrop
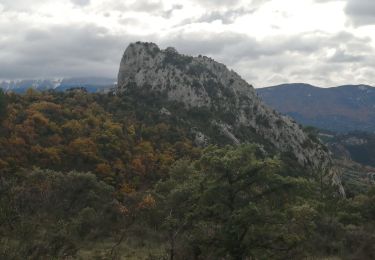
(202, 82)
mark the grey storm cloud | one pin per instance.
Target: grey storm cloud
(81, 2)
(62, 51)
(229, 3)
(361, 12)
(227, 16)
(203, 42)
(239, 46)
(226, 11)
(236, 46)
(85, 49)
(156, 8)
(343, 56)
(147, 6)
(301, 57)
(215, 3)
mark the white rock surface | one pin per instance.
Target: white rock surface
(202, 82)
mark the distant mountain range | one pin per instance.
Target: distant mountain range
(91, 84)
(341, 109)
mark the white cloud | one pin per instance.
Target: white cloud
(266, 41)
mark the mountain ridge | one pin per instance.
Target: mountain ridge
(201, 82)
(91, 84)
(342, 109)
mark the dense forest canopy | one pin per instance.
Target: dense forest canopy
(104, 176)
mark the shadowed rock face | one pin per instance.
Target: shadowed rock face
(203, 82)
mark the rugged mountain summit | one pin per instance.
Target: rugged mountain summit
(200, 82)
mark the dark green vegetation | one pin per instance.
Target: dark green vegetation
(339, 109)
(354, 154)
(3, 105)
(360, 146)
(90, 176)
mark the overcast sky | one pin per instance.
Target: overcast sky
(321, 42)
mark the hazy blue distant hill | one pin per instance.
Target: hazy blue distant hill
(91, 84)
(344, 108)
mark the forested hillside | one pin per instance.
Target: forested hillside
(340, 109)
(108, 135)
(104, 176)
(359, 146)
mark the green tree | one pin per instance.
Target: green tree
(47, 214)
(235, 203)
(245, 198)
(3, 104)
(176, 198)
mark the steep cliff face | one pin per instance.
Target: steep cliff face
(201, 82)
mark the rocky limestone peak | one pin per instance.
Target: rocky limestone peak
(199, 82)
(137, 55)
(187, 79)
